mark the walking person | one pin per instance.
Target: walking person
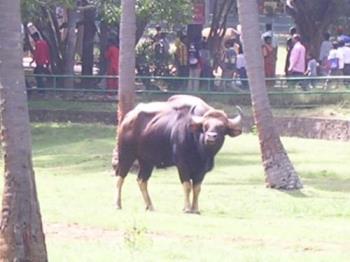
(241, 68)
(112, 57)
(346, 57)
(333, 60)
(42, 60)
(311, 70)
(274, 43)
(336, 63)
(269, 56)
(229, 63)
(297, 60)
(340, 54)
(325, 48)
(269, 60)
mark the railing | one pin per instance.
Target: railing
(170, 84)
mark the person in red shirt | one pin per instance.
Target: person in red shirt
(41, 57)
(112, 57)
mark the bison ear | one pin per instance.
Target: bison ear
(196, 123)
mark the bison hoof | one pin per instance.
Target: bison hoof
(150, 208)
(191, 211)
(187, 210)
(195, 212)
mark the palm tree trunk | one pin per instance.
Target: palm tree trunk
(127, 58)
(21, 232)
(279, 170)
(126, 94)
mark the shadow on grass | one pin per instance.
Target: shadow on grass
(326, 180)
(58, 134)
(295, 193)
(329, 184)
(235, 161)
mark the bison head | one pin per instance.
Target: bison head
(215, 124)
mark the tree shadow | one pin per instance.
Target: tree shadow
(295, 193)
(329, 184)
(238, 160)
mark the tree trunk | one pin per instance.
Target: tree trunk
(126, 94)
(21, 232)
(278, 168)
(141, 23)
(69, 52)
(88, 45)
(103, 45)
(127, 58)
(222, 8)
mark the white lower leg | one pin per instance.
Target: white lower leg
(120, 182)
(145, 195)
(196, 191)
(187, 191)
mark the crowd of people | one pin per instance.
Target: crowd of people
(302, 61)
(193, 62)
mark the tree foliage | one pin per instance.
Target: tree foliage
(171, 11)
(313, 17)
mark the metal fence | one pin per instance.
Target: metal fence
(170, 84)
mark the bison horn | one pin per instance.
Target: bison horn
(196, 123)
(238, 119)
(193, 110)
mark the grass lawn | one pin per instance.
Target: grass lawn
(241, 219)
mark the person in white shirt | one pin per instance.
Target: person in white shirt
(340, 55)
(336, 65)
(346, 56)
(333, 60)
(241, 68)
(326, 47)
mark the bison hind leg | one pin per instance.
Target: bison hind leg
(124, 165)
(142, 179)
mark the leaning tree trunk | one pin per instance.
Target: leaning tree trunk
(126, 94)
(279, 170)
(21, 232)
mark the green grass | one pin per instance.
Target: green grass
(241, 219)
(59, 104)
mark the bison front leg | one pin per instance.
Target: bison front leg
(145, 195)
(187, 191)
(196, 191)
